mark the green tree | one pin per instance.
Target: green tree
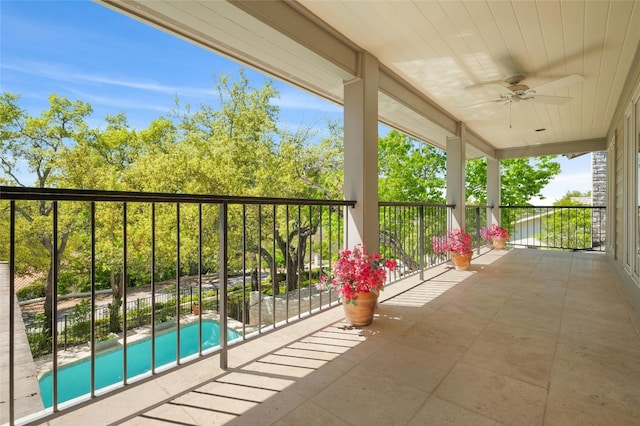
(520, 179)
(40, 146)
(568, 225)
(409, 170)
(573, 198)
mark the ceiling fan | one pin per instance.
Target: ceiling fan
(516, 91)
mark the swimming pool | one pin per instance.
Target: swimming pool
(74, 379)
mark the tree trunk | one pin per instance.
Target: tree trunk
(255, 285)
(48, 309)
(49, 285)
(117, 290)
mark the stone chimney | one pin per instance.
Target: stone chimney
(598, 198)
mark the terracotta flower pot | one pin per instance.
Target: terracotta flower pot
(361, 312)
(461, 261)
(498, 243)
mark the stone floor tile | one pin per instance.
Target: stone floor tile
(213, 402)
(438, 412)
(444, 333)
(388, 401)
(482, 306)
(502, 398)
(518, 352)
(410, 365)
(228, 390)
(565, 410)
(594, 384)
(309, 414)
(537, 315)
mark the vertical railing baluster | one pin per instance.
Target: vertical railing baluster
(344, 228)
(299, 261)
(178, 272)
(54, 304)
(477, 208)
(124, 293)
(421, 240)
(12, 307)
(310, 248)
(287, 259)
(153, 288)
(92, 332)
(320, 266)
(330, 252)
(259, 268)
(245, 314)
(200, 299)
(274, 274)
(223, 280)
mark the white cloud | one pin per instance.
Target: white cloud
(299, 100)
(561, 184)
(64, 73)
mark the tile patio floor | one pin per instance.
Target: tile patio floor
(524, 337)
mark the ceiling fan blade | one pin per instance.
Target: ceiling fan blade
(561, 82)
(550, 100)
(493, 101)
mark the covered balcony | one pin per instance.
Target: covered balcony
(525, 336)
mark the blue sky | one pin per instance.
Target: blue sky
(87, 52)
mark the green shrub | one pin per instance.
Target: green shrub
(32, 291)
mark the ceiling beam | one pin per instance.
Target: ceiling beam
(559, 148)
(475, 140)
(398, 89)
(296, 23)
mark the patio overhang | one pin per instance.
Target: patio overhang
(439, 62)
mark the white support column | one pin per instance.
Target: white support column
(456, 178)
(493, 191)
(361, 155)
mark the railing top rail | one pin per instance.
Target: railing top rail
(552, 207)
(412, 204)
(482, 206)
(58, 194)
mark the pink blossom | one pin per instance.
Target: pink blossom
(495, 232)
(456, 240)
(357, 271)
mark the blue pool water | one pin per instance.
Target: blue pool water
(74, 379)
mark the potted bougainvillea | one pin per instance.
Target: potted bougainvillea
(497, 235)
(358, 277)
(459, 244)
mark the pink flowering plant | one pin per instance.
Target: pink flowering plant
(456, 240)
(495, 232)
(357, 271)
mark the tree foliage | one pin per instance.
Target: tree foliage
(42, 146)
(568, 226)
(520, 179)
(410, 170)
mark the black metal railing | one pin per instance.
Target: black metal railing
(405, 231)
(556, 227)
(476, 218)
(267, 253)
